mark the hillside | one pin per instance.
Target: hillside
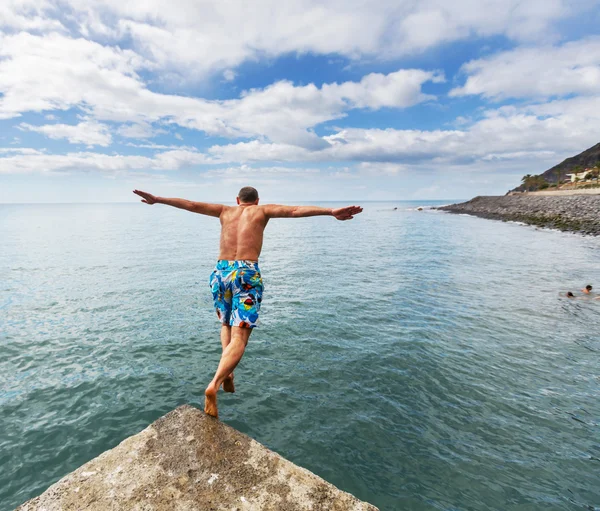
(588, 158)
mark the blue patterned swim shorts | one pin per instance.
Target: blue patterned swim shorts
(237, 289)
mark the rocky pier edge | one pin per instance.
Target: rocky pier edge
(185, 461)
(574, 213)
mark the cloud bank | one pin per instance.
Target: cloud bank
(117, 87)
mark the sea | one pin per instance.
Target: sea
(417, 359)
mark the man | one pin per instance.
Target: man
(587, 289)
(236, 282)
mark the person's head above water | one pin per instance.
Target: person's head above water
(587, 289)
(570, 295)
(247, 195)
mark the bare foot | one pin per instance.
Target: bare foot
(210, 401)
(228, 385)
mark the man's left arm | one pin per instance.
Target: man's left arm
(281, 211)
(203, 208)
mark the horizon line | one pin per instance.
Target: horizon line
(229, 202)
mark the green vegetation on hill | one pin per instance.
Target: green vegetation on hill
(531, 183)
(590, 158)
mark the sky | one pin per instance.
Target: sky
(305, 100)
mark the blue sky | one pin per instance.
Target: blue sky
(306, 101)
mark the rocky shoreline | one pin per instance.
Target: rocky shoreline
(575, 213)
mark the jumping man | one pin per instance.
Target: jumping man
(236, 282)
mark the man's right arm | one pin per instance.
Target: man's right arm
(203, 208)
(280, 211)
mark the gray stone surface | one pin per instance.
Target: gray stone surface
(577, 213)
(187, 461)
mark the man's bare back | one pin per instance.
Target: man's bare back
(242, 230)
(236, 282)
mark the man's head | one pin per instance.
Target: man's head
(247, 195)
(570, 295)
(587, 289)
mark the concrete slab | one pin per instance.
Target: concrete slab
(188, 461)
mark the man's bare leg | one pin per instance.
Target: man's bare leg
(230, 358)
(225, 340)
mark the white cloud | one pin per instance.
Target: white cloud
(209, 35)
(284, 112)
(572, 68)
(432, 22)
(72, 59)
(544, 131)
(55, 72)
(229, 75)
(261, 176)
(259, 151)
(583, 113)
(195, 37)
(86, 132)
(139, 130)
(159, 146)
(41, 73)
(376, 90)
(19, 150)
(89, 161)
(29, 15)
(382, 168)
(533, 135)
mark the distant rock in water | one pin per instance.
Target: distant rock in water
(577, 213)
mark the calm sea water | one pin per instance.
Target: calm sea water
(418, 360)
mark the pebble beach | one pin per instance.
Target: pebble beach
(575, 213)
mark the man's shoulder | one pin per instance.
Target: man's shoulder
(248, 212)
(270, 207)
(265, 208)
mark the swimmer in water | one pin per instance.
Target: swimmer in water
(570, 295)
(587, 289)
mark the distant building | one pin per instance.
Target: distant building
(579, 176)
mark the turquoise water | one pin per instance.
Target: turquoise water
(418, 360)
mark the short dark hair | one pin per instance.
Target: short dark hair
(589, 287)
(569, 294)
(248, 194)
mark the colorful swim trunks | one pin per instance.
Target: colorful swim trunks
(237, 290)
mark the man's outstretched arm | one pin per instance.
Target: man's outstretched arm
(203, 208)
(279, 211)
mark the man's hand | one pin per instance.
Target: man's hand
(346, 213)
(148, 198)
